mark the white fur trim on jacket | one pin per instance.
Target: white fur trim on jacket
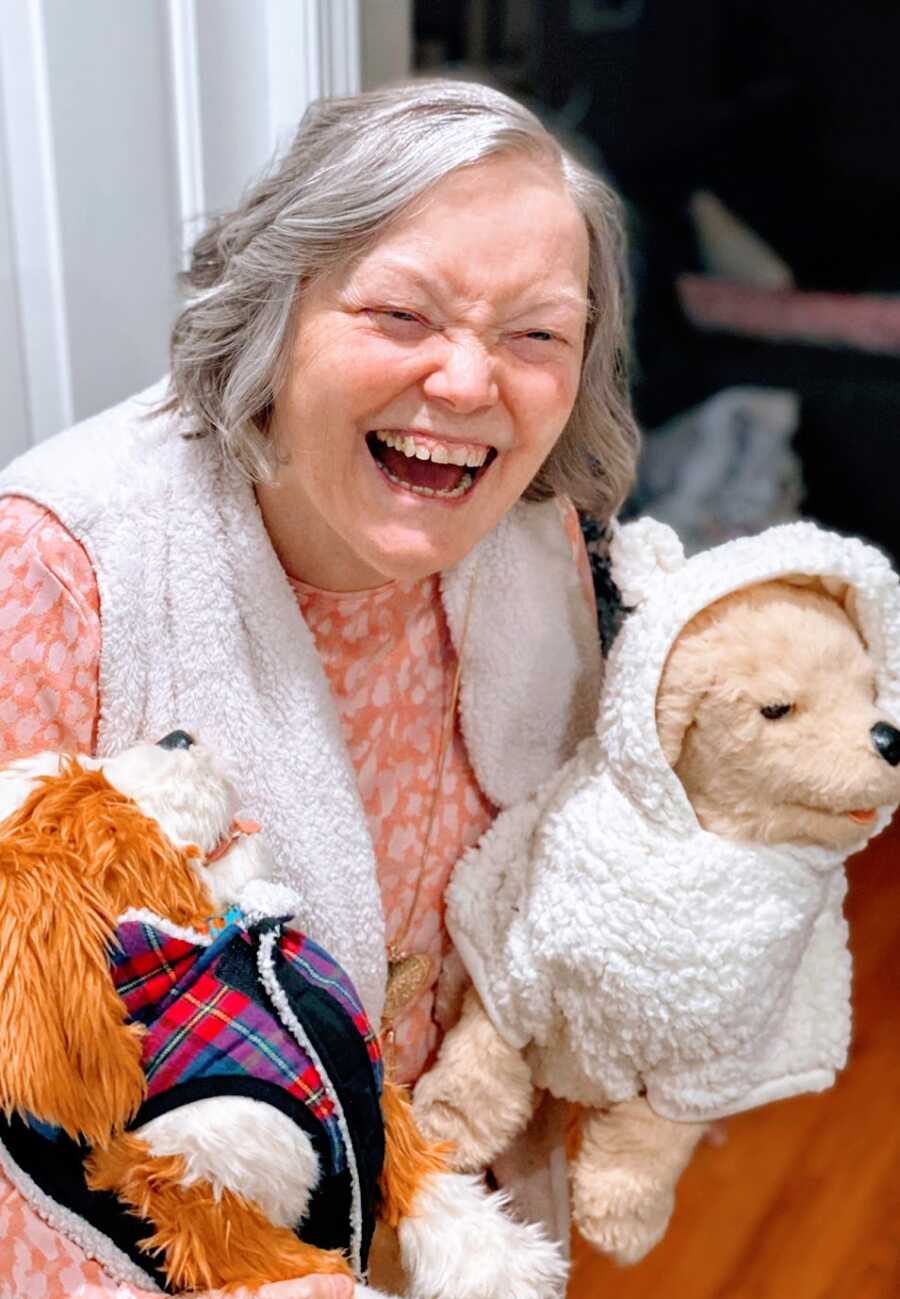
(623, 944)
(201, 631)
(265, 964)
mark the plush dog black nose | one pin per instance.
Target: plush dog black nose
(886, 739)
(181, 740)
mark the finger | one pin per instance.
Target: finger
(311, 1287)
(327, 1287)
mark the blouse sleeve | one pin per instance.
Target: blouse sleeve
(49, 635)
(36, 1260)
(49, 657)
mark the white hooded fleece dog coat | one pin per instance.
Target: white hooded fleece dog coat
(625, 946)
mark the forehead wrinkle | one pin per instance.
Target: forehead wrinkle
(405, 272)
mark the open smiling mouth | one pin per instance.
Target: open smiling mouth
(429, 468)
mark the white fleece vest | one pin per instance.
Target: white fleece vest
(201, 631)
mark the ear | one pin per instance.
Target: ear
(682, 685)
(642, 554)
(66, 1055)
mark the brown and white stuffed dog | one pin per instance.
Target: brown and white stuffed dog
(219, 1076)
(657, 936)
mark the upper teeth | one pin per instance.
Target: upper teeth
(441, 455)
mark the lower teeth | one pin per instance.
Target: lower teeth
(459, 490)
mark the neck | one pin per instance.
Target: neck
(323, 561)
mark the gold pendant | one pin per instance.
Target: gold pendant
(409, 974)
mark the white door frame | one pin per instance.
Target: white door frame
(309, 47)
(34, 219)
(312, 49)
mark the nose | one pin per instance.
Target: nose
(886, 739)
(464, 379)
(179, 740)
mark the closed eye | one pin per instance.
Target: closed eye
(398, 322)
(405, 315)
(401, 315)
(537, 344)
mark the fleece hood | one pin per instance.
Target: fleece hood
(665, 591)
(624, 947)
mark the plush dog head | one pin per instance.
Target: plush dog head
(82, 841)
(766, 711)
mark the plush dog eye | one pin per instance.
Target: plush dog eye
(773, 711)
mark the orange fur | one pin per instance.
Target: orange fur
(72, 858)
(208, 1243)
(409, 1159)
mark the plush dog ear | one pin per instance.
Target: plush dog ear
(66, 1055)
(642, 554)
(682, 685)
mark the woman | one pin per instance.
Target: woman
(399, 363)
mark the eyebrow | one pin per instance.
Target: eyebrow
(568, 299)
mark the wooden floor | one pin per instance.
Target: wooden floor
(802, 1201)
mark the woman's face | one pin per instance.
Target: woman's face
(429, 380)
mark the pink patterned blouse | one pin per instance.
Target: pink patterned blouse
(391, 665)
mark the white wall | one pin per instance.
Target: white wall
(121, 123)
(14, 417)
(112, 151)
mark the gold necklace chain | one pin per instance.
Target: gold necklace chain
(410, 973)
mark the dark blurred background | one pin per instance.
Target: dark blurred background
(756, 145)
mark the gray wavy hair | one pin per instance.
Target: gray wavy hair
(353, 166)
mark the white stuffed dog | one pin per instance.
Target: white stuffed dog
(657, 935)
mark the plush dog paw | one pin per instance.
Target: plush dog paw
(441, 1120)
(622, 1213)
(478, 1096)
(459, 1243)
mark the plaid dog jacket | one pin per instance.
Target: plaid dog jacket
(250, 1009)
